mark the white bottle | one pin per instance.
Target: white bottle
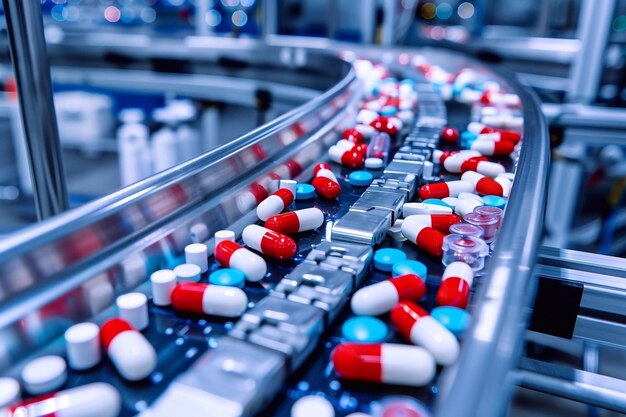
(187, 136)
(134, 152)
(164, 141)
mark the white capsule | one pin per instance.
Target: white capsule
(415, 324)
(44, 374)
(366, 130)
(83, 346)
(380, 298)
(326, 173)
(506, 185)
(133, 307)
(187, 273)
(275, 203)
(163, 283)
(222, 235)
(312, 406)
(454, 162)
(130, 352)
(366, 116)
(92, 400)
(476, 197)
(410, 209)
(197, 254)
(9, 392)
(466, 206)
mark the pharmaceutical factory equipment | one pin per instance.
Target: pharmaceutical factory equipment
(379, 239)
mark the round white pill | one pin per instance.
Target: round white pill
(312, 406)
(83, 346)
(9, 391)
(133, 307)
(197, 254)
(373, 163)
(187, 273)
(222, 235)
(163, 282)
(44, 374)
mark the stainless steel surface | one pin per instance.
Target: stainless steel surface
(32, 73)
(593, 32)
(600, 331)
(583, 261)
(492, 344)
(587, 387)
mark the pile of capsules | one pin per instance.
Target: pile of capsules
(455, 220)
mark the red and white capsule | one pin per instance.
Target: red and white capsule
(387, 125)
(275, 203)
(424, 237)
(92, 400)
(380, 298)
(417, 326)
(346, 157)
(445, 189)
(326, 184)
(506, 185)
(482, 166)
(456, 284)
(440, 222)
(269, 242)
(349, 146)
(479, 128)
(384, 363)
(130, 352)
(296, 221)
(489, 148)
(353, 135)
(216, 300)
(233, 255)
(452, 162)
(483, 185)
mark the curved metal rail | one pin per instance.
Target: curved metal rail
(50, 260)
(493, 344)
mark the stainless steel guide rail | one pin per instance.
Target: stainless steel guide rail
(112, 244)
